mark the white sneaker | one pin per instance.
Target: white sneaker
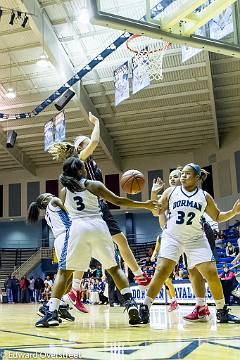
(236, 292)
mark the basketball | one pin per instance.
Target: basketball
(132, 182)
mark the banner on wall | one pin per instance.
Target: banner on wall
(183, 290)
(48, 134)
(60, 128)
(121, 83)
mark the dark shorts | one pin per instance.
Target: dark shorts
(112, 224)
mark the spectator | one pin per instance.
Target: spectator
(46, 294)
(24, 283)
(48, 281)
(99, 272)
(101, 289)
(218, 241)
(229, 284)
(38, 288)
(15, 289)
(85, 291)
(8, 288)
(31, 289)
(230, 250)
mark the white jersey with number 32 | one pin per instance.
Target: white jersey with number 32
(185, 213)
(82, 203)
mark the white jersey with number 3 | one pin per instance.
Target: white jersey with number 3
(82, 203)
(185, 212)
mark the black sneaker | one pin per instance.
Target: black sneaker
(223, 316)
(144, 313)
(50, 319)
(133, 314)
(43, 310)
(64, 313)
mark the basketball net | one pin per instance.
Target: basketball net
(148, 55)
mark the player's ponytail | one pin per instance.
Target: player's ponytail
(70, 175)
(33, 213)
(70, 183)
(35, 207)
(204, 174)
(62, 151)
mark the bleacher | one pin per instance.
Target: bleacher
(10, 259)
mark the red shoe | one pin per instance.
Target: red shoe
(199, 314)
(173, 306)
(142, 280)
(75, 298)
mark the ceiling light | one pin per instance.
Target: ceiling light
(10, 94)
(12, 18)
(43, 61)
(83, 17)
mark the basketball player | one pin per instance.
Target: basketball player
(201, 312)
(168, 283)
(85, 147)
(183, 233)
(88, 237)
(58, 220)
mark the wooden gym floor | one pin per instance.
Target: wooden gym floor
(105, 334)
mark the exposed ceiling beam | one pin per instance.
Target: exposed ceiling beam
(17, 155)
(160, 97)
(212, 98)
(64, 67)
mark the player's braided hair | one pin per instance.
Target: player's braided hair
(62, 151)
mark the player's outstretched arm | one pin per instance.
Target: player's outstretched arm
(100, 190)
(218, 215)
(157, 186)
(94, 140)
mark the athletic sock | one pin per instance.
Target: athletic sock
(139, 272)
(220, 304)
(76, 284)
(54, 304)
(201, 301)
(148, 301)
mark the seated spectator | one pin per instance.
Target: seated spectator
(183, 274)
(230, 250)
(218, 241)
(85, 290)
(94, 295)
(99, 272)
(46, 294)
(48, 281)
(229, 284)
(222, 235)
(101, 288)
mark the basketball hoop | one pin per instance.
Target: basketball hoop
(148, 55)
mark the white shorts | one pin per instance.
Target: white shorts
(86, 238)
(197, 251)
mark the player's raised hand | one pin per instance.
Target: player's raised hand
(93, 119)
(236, 207)
(158, 185)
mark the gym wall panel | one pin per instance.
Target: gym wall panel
(14, 200)
(112, 183)
(237, 167)
(153, 174)
(224, 177)
(52, 187)
(1, 200)
(33, 190)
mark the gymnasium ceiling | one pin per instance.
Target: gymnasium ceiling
(196, 102)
